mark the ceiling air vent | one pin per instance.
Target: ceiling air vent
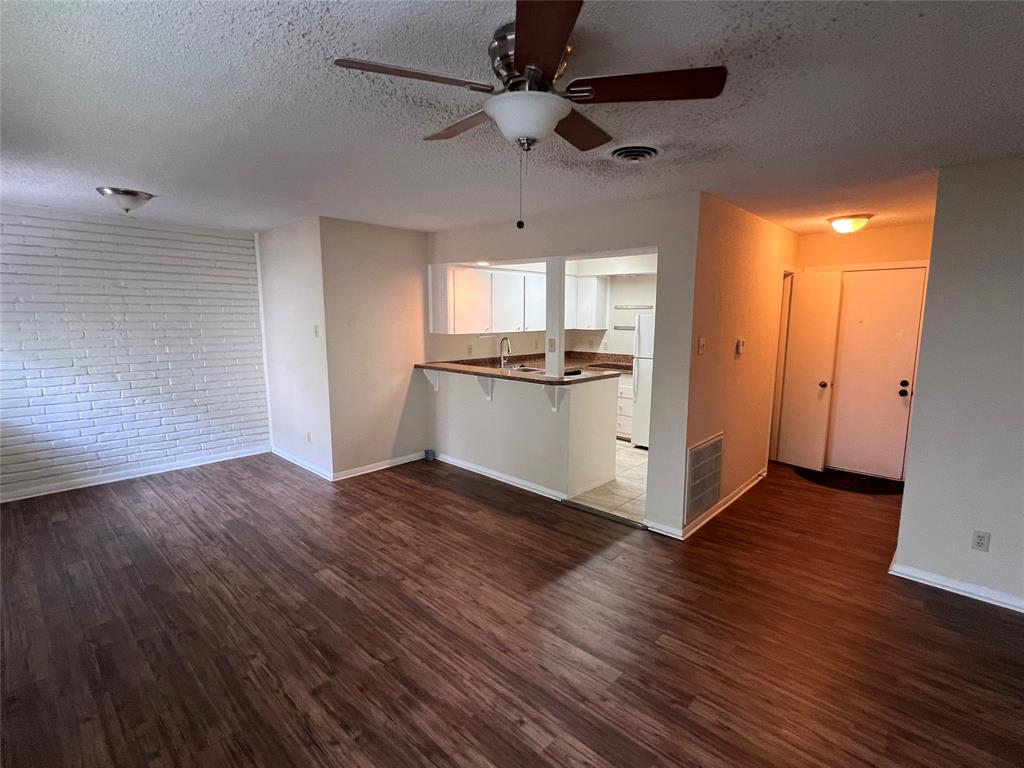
(634, 154)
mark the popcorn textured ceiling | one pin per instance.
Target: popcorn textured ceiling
(232, 113)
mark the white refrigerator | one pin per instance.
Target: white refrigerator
(643, 368)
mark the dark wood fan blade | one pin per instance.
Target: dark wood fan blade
(459, 126)
(412, 74)
(581, 132)
(542, 30)
(673, 85)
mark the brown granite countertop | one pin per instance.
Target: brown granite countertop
(591, 360)
(489, 367)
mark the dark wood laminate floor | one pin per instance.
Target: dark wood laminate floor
(249, 614)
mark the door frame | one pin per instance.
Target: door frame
(869, 267)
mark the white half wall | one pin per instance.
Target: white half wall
(666, 226)
(965, 457)
(129, 347)
(375, 302)
(291, 277)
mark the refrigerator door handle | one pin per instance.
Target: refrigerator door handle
(635, 379)
(636, 337)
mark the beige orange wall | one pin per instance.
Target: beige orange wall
(737, 294)
(373, 289)
(909, 242)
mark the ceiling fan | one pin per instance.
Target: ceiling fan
(529, 56)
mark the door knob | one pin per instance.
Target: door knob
(823, 384)
(904, 383)
(904, 392)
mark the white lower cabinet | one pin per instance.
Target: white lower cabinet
(624, 406)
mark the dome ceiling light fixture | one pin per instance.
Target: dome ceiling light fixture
(850, 222)
(125, 199)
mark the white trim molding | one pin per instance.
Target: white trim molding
(114, 477)
(965, 588)
(525, 485)
(292, 458)
(705, 517)
(664, 530)
(377, 466)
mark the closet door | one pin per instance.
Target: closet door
(810, 360)
(875, 361)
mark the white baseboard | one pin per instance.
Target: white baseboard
(56, 486)
(664, 530)
(292, 458)
(965, 588)
(378, 465)
(705, 517)
(494, 475)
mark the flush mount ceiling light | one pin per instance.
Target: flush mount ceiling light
(850, 222)
(125, 199)
(525, 117)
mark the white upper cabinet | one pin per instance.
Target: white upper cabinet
(507, 301)
(535, 315)
(591, 303)
(472, 300)
(571, 301)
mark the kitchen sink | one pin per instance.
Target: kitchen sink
(526, 369)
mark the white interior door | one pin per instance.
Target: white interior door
(810, 360)
(876, 355)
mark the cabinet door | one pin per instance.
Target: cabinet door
(571, 299)
(536, 303)
(592, 303)
(506, 301)
(472, 292)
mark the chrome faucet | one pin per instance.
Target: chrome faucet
(502, 356)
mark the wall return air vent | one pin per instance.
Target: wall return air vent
(703, 476)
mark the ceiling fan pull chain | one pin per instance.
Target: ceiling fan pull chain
(520, 224)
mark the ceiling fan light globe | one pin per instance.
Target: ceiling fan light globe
(527, 114)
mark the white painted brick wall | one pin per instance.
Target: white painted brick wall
(127, 347)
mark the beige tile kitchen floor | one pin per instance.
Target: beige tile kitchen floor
(626, 495)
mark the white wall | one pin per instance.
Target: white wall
(374, 292)
(627, 290)
(872, 245)
(128, 348)
(965, 458)
(291, 277)
(738, 294)
(667, 227)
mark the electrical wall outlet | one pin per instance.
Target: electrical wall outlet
(316, 331)
(552, 345)
(702, 345)
(979, 540)
(469, 349)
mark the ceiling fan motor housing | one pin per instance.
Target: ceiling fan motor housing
(502, 51)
